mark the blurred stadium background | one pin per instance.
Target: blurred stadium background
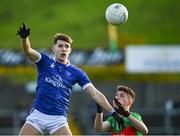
(143, 54)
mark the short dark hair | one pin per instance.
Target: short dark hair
(127, 90)
(61, 36)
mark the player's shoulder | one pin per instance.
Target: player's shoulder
(136, 115)
(45, 56)
(43, 59)
(75, 67)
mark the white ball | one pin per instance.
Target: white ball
(116, 14)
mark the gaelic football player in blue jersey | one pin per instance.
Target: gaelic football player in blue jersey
(56, 78)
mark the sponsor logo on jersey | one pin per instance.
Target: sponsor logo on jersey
(56, 81)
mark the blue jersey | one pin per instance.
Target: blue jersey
(54, 85)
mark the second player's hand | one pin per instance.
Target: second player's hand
(121, 110)
(23, 31)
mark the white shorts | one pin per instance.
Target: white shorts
(46, 123)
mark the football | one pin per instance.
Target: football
(116, 14)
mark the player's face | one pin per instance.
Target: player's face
(123, 98)
(62, 49)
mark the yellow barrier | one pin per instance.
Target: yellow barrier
(113, 72)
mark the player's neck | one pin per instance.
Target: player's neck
(66, 62)
(127, 108)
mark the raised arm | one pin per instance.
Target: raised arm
(32, 54)
(100, 99)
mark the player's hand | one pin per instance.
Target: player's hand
(118, 118)
(23, 32)
(121, 110)
(99, 108)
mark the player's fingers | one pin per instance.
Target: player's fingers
(20, 28)
(18, 33)
(24, 26)
(117, 103)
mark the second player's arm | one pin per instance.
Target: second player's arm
(32, 54)
(99, 124)
(140, 126)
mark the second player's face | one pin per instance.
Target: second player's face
(123, 98)
(62, 50)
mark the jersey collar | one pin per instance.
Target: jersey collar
(61, 63)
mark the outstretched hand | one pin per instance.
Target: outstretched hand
(23, 31)
(121, 110)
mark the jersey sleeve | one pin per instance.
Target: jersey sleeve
(84, 81)
(42, 62)
(38, 58)
(137, 116)
(110, 119)
(41, 58)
